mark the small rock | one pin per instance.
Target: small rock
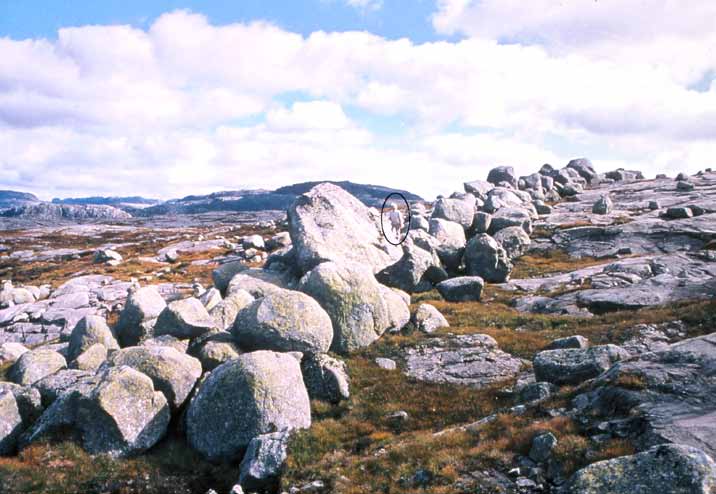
(542, 446)
(463, 288)
(604, 205)
(326, 378)
(576, 341)
(386, 363)
(263, 461)
(427, 318)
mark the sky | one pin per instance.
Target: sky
(168, 98)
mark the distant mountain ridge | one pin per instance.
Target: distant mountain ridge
(22, 204)
(107, 201)
(12, 198)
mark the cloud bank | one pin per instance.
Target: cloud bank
(189, 107)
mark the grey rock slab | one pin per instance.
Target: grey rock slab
(461, 288)
(576, 365)
(470, 360)
(675, 469)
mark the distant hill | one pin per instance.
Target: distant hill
(69, 212)
(120, 202)
(261, 200)
(12, 198)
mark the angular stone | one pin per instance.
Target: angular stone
(462, 288)
(326, 378)
(186, 318)
(576, 365)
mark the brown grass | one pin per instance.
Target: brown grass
(550, 262)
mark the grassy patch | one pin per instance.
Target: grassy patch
(59, 468)
(549, 262)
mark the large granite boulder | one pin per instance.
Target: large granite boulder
(284, 321)
(172, 372)
(88, 331)
(254, 394)
(329, 224)
(186, 318)
(353, 299)
(672, 468)
(485, 257)
(576, 365)
(34, 365)
(136, 321)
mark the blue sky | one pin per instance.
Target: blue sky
(22, 19)
(166, 98)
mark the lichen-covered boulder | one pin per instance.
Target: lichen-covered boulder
(34, 365)
(88, 331)
(329, 224)
(514, 240)
(576, 365)
(53, 386)
(671, 468)
(186, 318)
(451, 241)
(225, 312)
(326, 378)
(10, 352)
(136, 321)
(260, 282)
(485, 257)
(353, 299)
(172, 372)
(412, 273)
(11, 423)
(91, 359)
(254, 394)
(284, 321)
(123, 415)
(397, 302)
(502, 174)
(213, 349)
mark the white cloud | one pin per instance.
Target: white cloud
(188, 107)
(366, 4)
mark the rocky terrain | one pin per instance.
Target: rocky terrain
(552, 333)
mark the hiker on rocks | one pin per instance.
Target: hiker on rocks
(396, 220)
